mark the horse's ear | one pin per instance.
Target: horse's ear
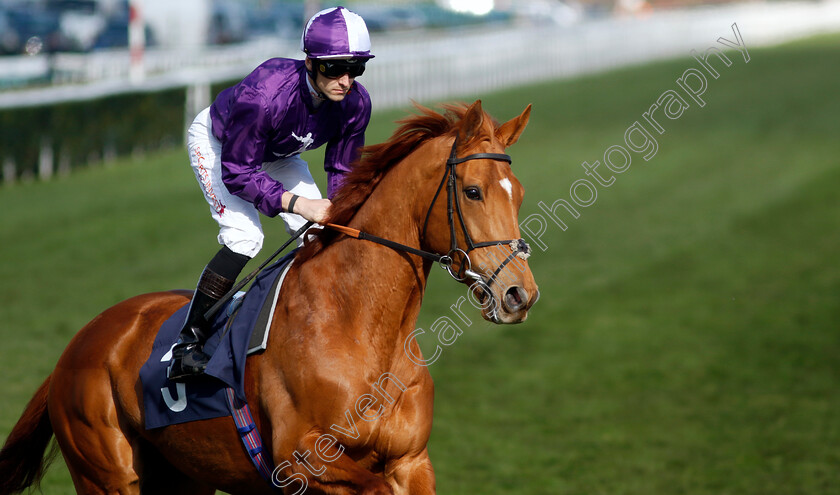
(471, 122)
(509, 132)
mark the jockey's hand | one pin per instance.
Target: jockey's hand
(314, 210)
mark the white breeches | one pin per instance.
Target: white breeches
(239, 221)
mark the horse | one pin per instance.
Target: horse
(343, 330)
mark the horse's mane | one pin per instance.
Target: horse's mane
(376, 160)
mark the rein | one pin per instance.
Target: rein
(453, 205)
(221, 302)
(518, 247)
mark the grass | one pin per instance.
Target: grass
(686, 340)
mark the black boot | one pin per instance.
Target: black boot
(188, 357)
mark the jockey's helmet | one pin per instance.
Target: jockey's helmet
(336, 33)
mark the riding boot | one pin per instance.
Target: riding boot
(188, 357)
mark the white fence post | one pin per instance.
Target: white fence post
(45, 159)
(9, 170)
(198, 98)
(136, 41)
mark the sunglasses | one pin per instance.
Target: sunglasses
(337, 68)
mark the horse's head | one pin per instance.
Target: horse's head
(473, 215)
(444, 180)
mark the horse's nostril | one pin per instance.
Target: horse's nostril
(515, 299)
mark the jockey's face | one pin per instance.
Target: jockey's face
(335, 88)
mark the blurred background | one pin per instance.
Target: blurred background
(686, 340)
(128, 55)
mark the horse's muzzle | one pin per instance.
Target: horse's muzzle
(511, 306)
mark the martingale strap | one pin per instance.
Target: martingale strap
(249, 435)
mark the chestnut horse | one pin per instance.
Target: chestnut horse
(343, 330)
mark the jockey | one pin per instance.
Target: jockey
(245, 151)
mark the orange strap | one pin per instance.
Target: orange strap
(345, 230)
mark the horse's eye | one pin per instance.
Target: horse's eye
(473, 193)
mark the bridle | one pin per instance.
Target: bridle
(518, 247)
(453, 206)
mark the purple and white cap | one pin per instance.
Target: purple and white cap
(336, 33)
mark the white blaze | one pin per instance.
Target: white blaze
(507, 186)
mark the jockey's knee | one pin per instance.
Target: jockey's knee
(247, 245)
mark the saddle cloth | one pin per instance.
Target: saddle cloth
(239, 329)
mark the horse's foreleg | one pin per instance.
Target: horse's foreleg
(411, 475)
(318, 468)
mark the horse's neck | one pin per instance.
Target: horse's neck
(385, 286)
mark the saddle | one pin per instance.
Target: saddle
(239, 330)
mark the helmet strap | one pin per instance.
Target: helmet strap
(312, 81)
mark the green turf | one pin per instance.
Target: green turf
(686, 341)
